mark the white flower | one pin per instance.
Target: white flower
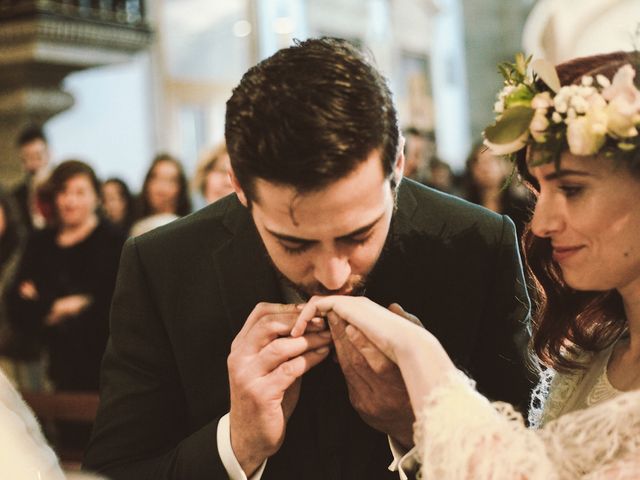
(506, 91)
(580, 104)
(556, 117)
(587, 81)
(508, 148)
(596, 101)
(542, 100)
(586, 134)
(603, 81)
(561, 106)
(498, 107)
(585, 92)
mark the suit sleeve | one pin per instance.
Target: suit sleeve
(500, 354)
(141, 431)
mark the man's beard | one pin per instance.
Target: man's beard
(355, 286)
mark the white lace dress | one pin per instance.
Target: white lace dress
(24, 453)
(461, 435)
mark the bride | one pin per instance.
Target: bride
(572, 133)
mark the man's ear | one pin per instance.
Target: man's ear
(398, 167)
(238, 189)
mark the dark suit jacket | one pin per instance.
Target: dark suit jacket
(21, 197)
(185, 290)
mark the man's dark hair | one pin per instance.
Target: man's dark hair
(309, 115)
(29, 134)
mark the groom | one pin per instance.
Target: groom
(201, 380)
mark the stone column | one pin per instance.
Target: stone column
(41, 42)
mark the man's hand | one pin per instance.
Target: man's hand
(265, 368)
(376, 388)
(28, 291)
(65, 307)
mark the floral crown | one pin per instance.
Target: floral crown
(597, 116)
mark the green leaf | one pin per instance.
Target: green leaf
(521, 64)
(512, 124)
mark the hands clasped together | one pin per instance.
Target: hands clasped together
(279, 343)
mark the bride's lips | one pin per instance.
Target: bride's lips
(561, 253)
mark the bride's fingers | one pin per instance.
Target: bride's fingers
(316, 307)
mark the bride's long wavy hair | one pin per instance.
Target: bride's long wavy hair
(568, 321)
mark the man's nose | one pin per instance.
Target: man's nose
(332, 271)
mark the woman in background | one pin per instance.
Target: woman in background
(18, 356)
(487, 184)
(63, 288)
(117, 203)
(212, 175)
(164, 196)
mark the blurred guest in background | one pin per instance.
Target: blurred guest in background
(63, 287)
(34, 154)
(419, 149)
(487, 184)
(117, 203)
(212, 175)
(164, 196)
(12, 236)
(441, 177)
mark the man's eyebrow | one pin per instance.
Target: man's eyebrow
(565, 173)
(355, 233)
(361, 230)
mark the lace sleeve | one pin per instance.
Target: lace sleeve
(461, 435)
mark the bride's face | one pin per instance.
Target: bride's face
(590, 211)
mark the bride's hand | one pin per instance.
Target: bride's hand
(422, 360)
(387, 330)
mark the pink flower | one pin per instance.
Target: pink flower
(624, 91)
(621, 122)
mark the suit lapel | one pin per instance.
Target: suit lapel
(245, 275)
(387, 282)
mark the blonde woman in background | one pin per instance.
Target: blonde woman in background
(212, 174)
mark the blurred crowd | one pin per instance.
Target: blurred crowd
(62, 229)
(61, 232)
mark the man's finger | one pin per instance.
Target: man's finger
(263, 309)
(375, 358)
(398, 310)
(351, 360)
(270, 327)
(286, 374)
(283, 349)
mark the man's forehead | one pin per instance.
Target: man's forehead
(313, 218)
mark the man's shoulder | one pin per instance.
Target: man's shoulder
(209, 227)
(428, 209)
